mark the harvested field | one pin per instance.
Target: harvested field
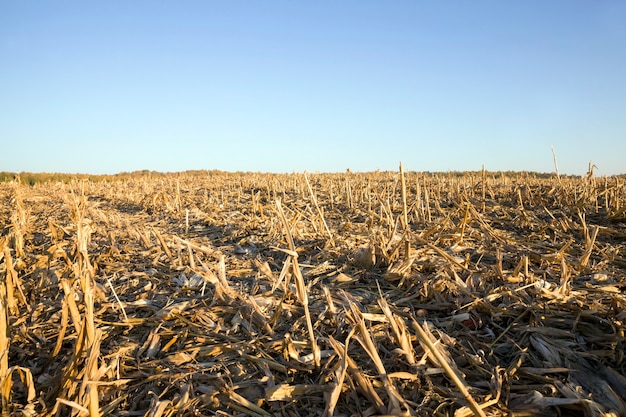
(356, 294)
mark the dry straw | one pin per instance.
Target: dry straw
(387, 293)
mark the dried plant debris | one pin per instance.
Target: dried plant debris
(351, 294)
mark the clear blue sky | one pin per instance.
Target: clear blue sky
(282, 86)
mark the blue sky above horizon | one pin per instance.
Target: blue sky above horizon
(106, 87)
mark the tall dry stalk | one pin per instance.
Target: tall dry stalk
(10, 275)
(399, 330)
(178, 205)
(87, 345)
(405, 218)
(590, 241)
(301, 292)
(396, 402)
(8, 307)
(5, 389)
(483, 180)
(317, 207)
(427, 204)
(430, 347)
(18, 222)
(556, 165)
(340, 373)
(418, 199)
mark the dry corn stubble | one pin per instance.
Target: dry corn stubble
(190, 294)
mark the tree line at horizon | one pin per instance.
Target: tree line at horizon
(32, 178)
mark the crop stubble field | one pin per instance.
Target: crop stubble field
(388, 293)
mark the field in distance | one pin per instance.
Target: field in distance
(386, 293)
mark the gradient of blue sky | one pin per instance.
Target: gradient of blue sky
(282, 86)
